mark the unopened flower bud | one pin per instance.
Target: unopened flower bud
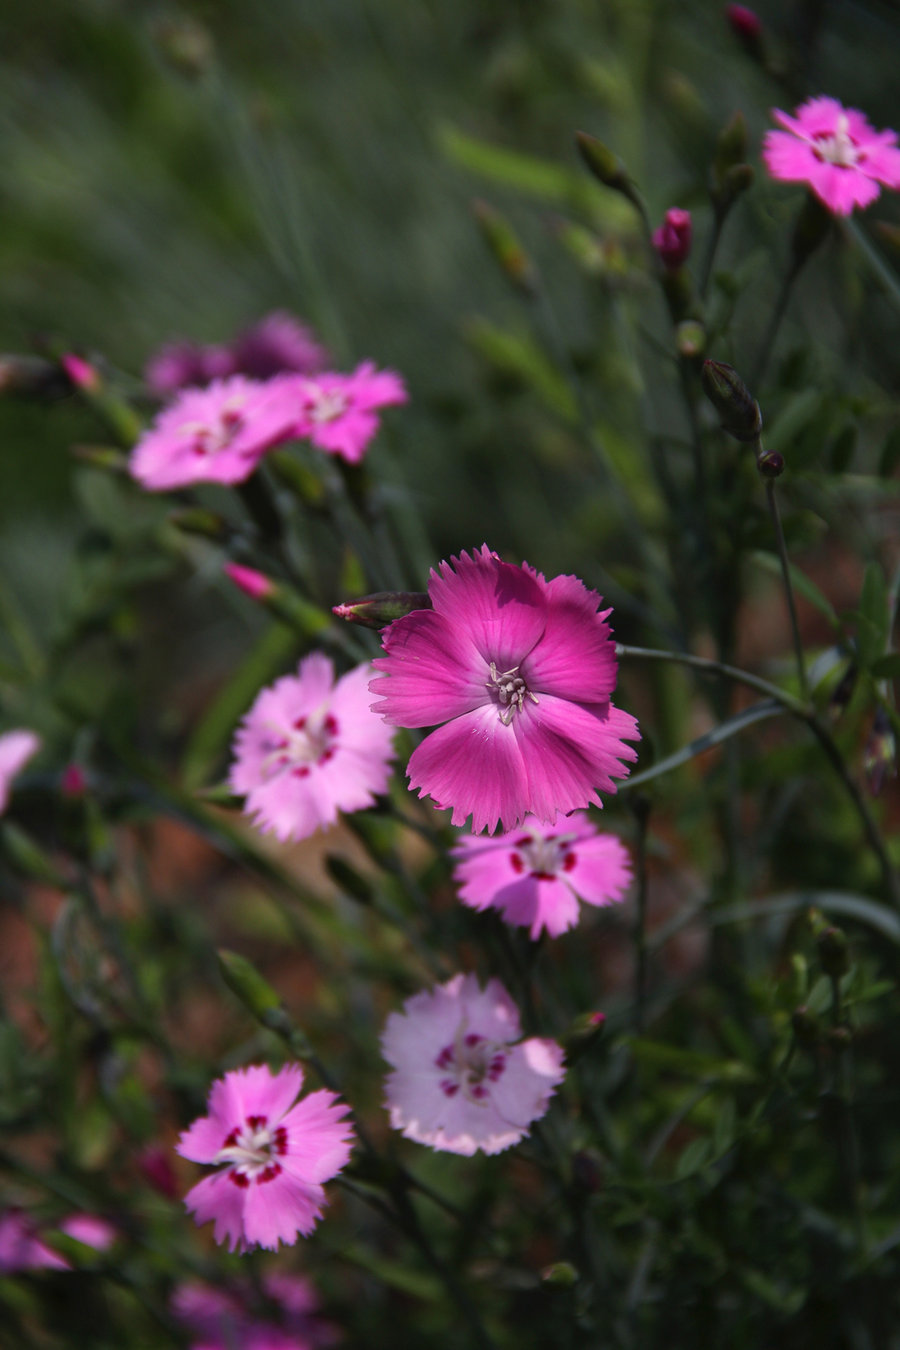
(382, 607)
(730, 175)
(73, 782)
(672, 239)
(81, 373)
(770, 464)
(833, 951)
(606, 167)
(505, 246)
(583, 1034)
(158, 1171)
(747, 28)
(690, 339)
(255, 584)
(737, 408)
(561, 1275)
(806, 1027)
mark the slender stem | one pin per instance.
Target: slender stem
(715, 236)
(788, 588)
(713, 667)
(768, 342)
(888, 278)
(641, 808)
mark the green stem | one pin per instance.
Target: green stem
(788, 588)
(768, 342)
(641, 808)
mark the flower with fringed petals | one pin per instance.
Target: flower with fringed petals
(835, 151)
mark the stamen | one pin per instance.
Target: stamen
(512, 691)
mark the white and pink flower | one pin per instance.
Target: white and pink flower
(338, 413)
(835, 151)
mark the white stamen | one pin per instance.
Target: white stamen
(512, 691)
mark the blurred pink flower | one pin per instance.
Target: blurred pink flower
(462, 1080)
(214, 435)
(157, 1170)
(309, 748)
(219, 1320)
(672, 240)
(277, 343)
(520, 670)
(255, 584)
(89, 1229)
(338, 411)
(835, 151)
(21, 1248)
(183, 365)
(745, 22)
(16, 749)
(275, 1154)
(537, 874)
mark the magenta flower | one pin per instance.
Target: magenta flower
(672, 239)
(22, 1249)
(273, 1156)
(536, 875)
(520, 670)
(835, 151)
(277, 343)
(16, 749)
(309, 748)
(214, 435)
(339, 411)
(219, 1320)
(183, 365)
(89, 1229)
(462, 1080)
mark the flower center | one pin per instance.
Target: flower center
(470, 1063)
(309, 740)
(511, 691)
(839, 148)
(328, 405)
(208, 438)
(252, 1151)
(543, 857)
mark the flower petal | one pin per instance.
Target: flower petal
(501, 608)
(474, 764)
(432, 672)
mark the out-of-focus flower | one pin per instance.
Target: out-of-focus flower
(745, 22)
(272, 1155)
(339, 412)
(216, 1319)
(672, 239)
(16, 749)
(89, 1229)
(157, 1170)
(80, 372)
(462, 1080)
(835, 151)
(536, 875)
(21, 1248)
(184, 365)
(215, 435)
(310, 747)
(520, 671)
(255, 584)
(278, 343)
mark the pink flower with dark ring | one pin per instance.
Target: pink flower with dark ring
(516, 672)
(272, 1152)
(339, 413)
(536, 875)
(835, 151)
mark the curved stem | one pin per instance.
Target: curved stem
(788, 588)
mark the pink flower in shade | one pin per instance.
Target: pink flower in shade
(22, 1249)
(537, 874)
(16, 749)
(275, 344)
(520, 670)
(309, 748)
(339, 411)
(835, 151)
(462, 1079)
(183, 365)
(214, 435)
(273, 1156)
(672, 240)
(89, 1229)
(233, 1320)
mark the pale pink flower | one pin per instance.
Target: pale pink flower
(462, 1079)
(277, 343)
(218, 1320)
(537, 874)
(214, 435)
(16, 749)
(310, 747)
(89, 1229)
(672, 240)
(338, 412)
(835, 151)
(520, 670)
(272, 1154)
(22, 1249)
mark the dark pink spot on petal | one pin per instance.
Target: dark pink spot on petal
(569, 862)
(517, 863)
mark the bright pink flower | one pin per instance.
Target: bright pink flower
(273, 1156)
(275, 344)
(309, 748)
(16, 749)
(255, 584)
(89, 1229)
(80, 372)
(219, 1320)
(835, 151)
(520, 669)
(338, 411)
(672, 240)
(184, 365)
(462, 1080)
(214, 435)
(537, 874)
(22, 1249)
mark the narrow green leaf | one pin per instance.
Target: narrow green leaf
(800, 582)
(695, 1156)
(757, 713)
(520, 356)
(873, 608)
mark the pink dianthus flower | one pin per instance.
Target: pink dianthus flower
(462, 1079)
(835, 151)
(22, 1249)
(214, 435)
(273, 1156)
(182, 365)
(309, 748)
(520, 670)
(536, 875)
(277, 343)
(338, 412)
(16, 749)
(217, 1319)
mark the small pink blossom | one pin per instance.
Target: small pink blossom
(183, 365)
(80, 372)
(217, 1319)
(89, 1229)
(16, 749)
(462, 1079)
(339, 411)
(537, 874)
(273, 1154)
(22, 1249)
(835, 151)
(310, 747)
(520, 671)
(276, 344)
(672, 240)
(214, 435)
(255, 584)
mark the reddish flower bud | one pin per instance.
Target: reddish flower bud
(158, 1172)
(73, 781)
(672, 240)
(745, 22)
(80, 372)
(247, 579)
